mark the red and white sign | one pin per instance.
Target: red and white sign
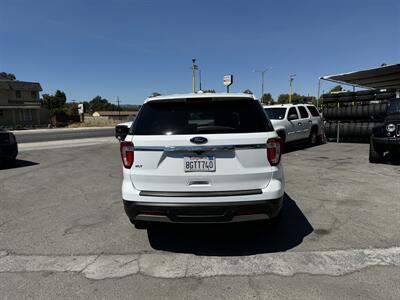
(228, 80)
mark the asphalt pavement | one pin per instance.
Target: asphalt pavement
(64, 233)
(42, 135)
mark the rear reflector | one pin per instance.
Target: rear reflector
(274, 151)
(127, 154)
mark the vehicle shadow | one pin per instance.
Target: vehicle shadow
(296, 146)
(234, 239)
(19, 163)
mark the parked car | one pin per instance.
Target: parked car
(294, 122)
(202, 158)
(386, 138)
(122, 129)
(8, 148)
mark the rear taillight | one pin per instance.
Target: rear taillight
(274, 151)
(127, 154)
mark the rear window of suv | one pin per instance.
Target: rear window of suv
(196, 116)
(313, 110)
(277, 113)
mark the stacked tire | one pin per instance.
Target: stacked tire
(350, 131)
(371, 111)
(354, 114)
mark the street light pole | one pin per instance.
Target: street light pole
(291, 77)
(262, 80)
(194, 67)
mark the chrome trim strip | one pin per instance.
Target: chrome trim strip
(199, 148)
(201, 194)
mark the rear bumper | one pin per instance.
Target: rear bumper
(217, 212)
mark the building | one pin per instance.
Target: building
(20, 104)
(122, 116)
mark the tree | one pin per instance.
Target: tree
(267, 98)
(55, 103)
(7, 76)
(283, 98)
(337, 88)
(209, 91)
(100, 104)
(247, 91)
(296, 98)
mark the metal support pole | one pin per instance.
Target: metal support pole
(200, 80)
(227, 89)
(337, 132)
(319, 90)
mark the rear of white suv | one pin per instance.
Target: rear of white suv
(202, 158)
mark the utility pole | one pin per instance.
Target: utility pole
(119, 109)
(262, 80)
(291, 77)
(194, 68)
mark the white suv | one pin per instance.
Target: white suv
(194, 158)
(294, 122)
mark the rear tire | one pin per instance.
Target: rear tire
(374, 155)
(313, 138)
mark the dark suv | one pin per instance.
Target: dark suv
(387, 137)
(8, 148)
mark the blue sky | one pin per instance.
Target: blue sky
(133, 48)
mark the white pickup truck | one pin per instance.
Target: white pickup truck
(294, 122)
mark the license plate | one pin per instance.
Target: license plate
(199, 163)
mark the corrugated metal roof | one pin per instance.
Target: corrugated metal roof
(384, 77)
(115, 113)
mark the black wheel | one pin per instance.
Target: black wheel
(347, 97)
(330, 100)
(374, 155)
(365, 92)
(385, 95)
(313, 138)
(365, 97)
(139, 224)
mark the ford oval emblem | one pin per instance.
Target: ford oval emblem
(198, 140)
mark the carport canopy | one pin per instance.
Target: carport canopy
(384, 77)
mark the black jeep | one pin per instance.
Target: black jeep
(386, 138)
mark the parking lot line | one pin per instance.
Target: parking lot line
(332, 263)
